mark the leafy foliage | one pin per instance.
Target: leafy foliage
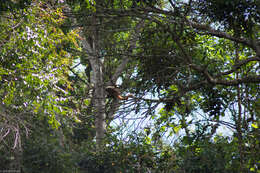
(192, 67)
(242, 15)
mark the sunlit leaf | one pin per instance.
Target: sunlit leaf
(254, 125)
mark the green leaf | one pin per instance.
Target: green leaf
(177, 129)
(255, 125)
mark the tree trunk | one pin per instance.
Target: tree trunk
(93, 49)
(98, 100)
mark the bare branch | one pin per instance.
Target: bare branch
(220, 34)
(238, 65)
(125, 60)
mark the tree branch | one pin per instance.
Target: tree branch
(238, 66)
(126, 59)
(220, 34)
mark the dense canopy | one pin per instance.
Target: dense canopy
(130, 86)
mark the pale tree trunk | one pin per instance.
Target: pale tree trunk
(98, 97)
(98, 100)
(96, 79)
(91, 45)
(93, 49)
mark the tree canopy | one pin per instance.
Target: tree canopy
(191, 69)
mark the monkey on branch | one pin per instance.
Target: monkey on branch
(115, 93)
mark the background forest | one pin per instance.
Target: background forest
(188, 72)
